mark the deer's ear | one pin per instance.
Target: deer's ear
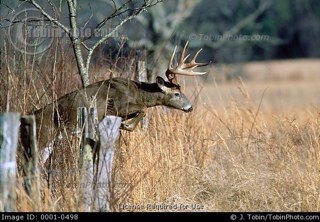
(162, 84)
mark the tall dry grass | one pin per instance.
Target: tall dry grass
(239, 156)
(230, 161)
(212, 161)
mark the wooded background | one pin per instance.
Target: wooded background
(280, 29)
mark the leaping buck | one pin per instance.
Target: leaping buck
(120, 97)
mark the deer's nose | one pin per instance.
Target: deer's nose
(188, 109)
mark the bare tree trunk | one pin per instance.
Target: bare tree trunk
(76, 43)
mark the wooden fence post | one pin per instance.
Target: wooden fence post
(9, 130)
(86, 160)
(88, 125)
(109, 133)
(30, 158)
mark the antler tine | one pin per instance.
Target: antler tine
(193, 60)
(193, 64)
(190, 72)
(171, 59)
(170, 71)
(183, 58)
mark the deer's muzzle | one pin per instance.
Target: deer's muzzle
(188, 109)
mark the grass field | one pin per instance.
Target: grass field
(250, 145)
(247, 147)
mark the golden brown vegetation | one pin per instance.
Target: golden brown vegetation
(237, 151)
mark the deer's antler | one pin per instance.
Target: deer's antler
(183, 68)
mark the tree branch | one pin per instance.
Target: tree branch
(51, 19)
(89, 18)
(147, 4)
(117, 12)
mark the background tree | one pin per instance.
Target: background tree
(169, 23)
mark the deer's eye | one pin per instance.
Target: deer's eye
(177, 94)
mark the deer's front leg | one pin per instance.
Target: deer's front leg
(131, 124)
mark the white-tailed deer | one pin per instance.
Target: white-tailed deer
(120, 97)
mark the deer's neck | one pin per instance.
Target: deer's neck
(151, 94)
